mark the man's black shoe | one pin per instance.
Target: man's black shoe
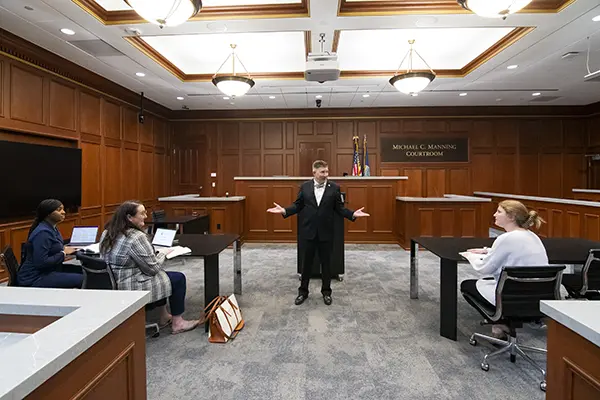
(300, 299)
(327, 300)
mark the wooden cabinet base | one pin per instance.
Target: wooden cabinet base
(573, 365)
(114, 368)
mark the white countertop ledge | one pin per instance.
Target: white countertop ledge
(546, 199)
(586, 190)
(307, 178)
(448, 198)
(196, 197)
(579, 316)
(87, 316)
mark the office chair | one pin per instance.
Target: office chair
(98, 275)
(12, 265)
(585, 284)
(518, 296)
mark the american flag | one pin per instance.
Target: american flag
(356, 168)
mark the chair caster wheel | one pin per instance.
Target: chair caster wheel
(513, 358)
(340, 278)
(473, 342)
(157, 334)
(485, 367)
(543, 386)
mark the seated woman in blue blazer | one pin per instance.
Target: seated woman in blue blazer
(46, 251)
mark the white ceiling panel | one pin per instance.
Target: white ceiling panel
(383, 50)
(259, 52)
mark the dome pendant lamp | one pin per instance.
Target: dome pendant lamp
(233, 85)
(166, 12)
(493, 8)
(411, 82)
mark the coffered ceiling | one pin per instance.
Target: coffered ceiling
(469, 54)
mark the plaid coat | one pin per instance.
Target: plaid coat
(135, 265)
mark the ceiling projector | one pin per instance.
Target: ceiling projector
(322, 67)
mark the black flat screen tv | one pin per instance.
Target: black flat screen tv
(31, 173)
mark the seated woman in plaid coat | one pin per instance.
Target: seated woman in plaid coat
(136, 267)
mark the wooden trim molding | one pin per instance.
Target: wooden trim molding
(262, 11)
(28, 53)
(394, 7)
(511, 38)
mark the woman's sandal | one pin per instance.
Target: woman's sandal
(190, 327)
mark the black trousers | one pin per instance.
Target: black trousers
(470, 287)
(324, 249)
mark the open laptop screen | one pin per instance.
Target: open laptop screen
(164, 237)
(84, 235)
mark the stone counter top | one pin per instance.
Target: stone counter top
(546, 199)
(448, 198)
(86, 316)
(579, 316)
(586, 191)
(306, 178)
(196, 197)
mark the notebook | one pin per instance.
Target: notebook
(83, 236)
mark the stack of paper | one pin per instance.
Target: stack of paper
(476, 260)
(178, 251)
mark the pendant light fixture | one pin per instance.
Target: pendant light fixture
(166, 12)
(410, 81)
(493, 8)
(233, 85)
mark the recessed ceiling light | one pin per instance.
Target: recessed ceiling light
(596, 18)
(463, 94)
(414, 94)
(225, 98)
(140, 74)
(318, 96)
(514, 66)
(366, 95)
(271, 97)
(179, 98)
(68, 31)
(536, 94)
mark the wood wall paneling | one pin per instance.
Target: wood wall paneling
(112, 176)
(91, 175)
(27, 95)
(2, 91)
(63, 106)
(89, 113)
(41, 108)
(273, 164)
(111, 120)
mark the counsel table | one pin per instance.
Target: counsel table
(209, 247)
(560, 251)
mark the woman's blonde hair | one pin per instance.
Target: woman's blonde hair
(523, 218)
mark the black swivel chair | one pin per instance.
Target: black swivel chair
(12, 265)
(585, 284)
(98, 275)
(518, 296)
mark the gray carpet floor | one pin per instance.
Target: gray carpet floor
(373, 342)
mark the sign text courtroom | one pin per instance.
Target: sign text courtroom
(394, 149)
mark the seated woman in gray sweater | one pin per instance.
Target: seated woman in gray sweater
(136, 266)
(518, 247)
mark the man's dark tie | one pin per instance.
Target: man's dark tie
(319, 185)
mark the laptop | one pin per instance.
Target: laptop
(83, 236)
(163, 238)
